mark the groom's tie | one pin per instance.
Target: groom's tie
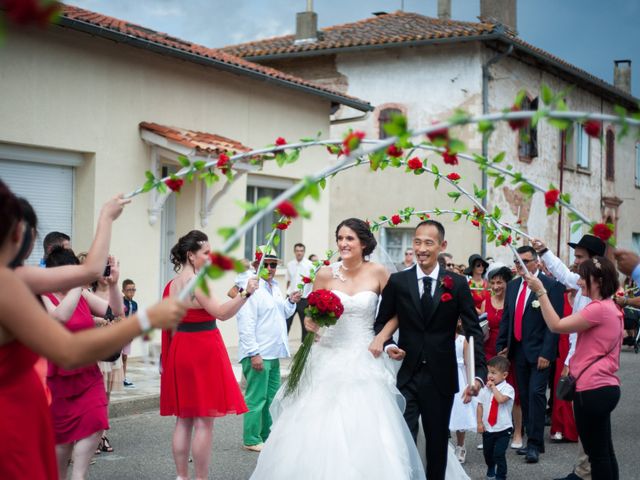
(426, 299)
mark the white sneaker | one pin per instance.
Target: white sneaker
(479, 447)
(461, 454)
(557, 437)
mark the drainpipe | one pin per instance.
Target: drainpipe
(486, 76)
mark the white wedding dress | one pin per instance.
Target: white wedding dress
(345, 422)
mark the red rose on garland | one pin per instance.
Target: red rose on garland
(447, 282)
(280, 141)
(475, 222)
(327, 262)
(449, 157)
(223, 162)
(394, 151)
(258, 256)
(352, 141)
(551, 197)
(440, 134)
(453, 176)
(415, 163)
(283, 225)
(396, 220)
(306, 280)
(517, 124)
(288, 209)
(446, 297)
(222, 261)
(174, 184)
(592, 128)
(602, 231)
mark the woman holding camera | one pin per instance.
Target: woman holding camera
(595, 361)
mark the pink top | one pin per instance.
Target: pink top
(605, 319)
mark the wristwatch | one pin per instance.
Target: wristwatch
(543, 251)
(243, 293)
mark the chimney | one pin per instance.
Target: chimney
(622, 75)
(500, 11)
(307, 25)
(444, 9)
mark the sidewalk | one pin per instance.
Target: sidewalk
(146, 378)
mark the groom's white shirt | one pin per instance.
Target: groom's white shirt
(434, 279)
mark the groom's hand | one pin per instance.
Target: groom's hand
(471, 391)
(395, 352)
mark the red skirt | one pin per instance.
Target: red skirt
(197, 379)
(562, 419)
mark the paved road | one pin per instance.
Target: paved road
(143, 445)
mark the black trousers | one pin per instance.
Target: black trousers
(592, 410)
(425, 400)
(494, 449)
(532, 384)
(300, 306)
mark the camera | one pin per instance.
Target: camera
(107, 271)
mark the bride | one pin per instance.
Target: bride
(345, 421)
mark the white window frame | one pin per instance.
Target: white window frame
(405, 242)
(582, 149)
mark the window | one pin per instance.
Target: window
(385, 117)
(395, 241)
(610, 140)
(577, 148)
(528, 139)
(258, 234)
(637, 164)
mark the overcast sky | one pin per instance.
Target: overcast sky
(588, 33)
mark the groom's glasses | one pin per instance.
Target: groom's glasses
(270, 265)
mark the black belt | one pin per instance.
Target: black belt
(192, 327)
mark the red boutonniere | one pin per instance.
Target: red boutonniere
(447, 282)
(446, 297)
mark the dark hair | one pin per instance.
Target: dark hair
(299, 245)
(502, 272)
(603, 271)
(191, 242)
(60, 256)
(528, 249)
(53, 239)
(500, 363)
(31, 223)
(10, 211)
(433, 223)
(442, 260)
(127, 282)
(363, 233)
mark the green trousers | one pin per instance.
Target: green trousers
(261, 388)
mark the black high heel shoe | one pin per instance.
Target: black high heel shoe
(105, 446)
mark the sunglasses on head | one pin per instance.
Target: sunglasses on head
(271, 264)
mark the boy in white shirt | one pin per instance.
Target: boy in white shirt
(495, 404)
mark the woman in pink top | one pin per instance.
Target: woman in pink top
(595, 361)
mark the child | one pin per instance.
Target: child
(494, 417)
(463, 415)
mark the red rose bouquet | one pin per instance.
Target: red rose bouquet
(325, 308)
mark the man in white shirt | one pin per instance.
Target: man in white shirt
(262, 331)
(298, 269)
(588, 247)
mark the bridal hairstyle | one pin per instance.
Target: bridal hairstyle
(191, 242)
(363, 233)
(10, 212)
(603, 271)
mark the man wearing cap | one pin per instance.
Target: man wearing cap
(588, 247)
(262, 331)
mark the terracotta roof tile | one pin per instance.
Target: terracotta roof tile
(72, 14)
(397, 27)
(201, 141)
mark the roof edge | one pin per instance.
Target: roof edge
(134, 41)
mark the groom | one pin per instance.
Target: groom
(428, 302)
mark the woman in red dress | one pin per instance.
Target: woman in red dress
(26, 331)
(478, 285)
(499, 275)
(197, 381)
(563, 423)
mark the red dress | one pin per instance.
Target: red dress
(197, 379)
(79, 401)
(479, 296)
(494, 316)
(562, 419)
(27, 449)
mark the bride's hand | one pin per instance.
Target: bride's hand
(376, 347)
(311, 326)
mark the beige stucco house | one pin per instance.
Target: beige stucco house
(90, 104)
(428, 67)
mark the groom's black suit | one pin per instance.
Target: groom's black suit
(428, 378)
